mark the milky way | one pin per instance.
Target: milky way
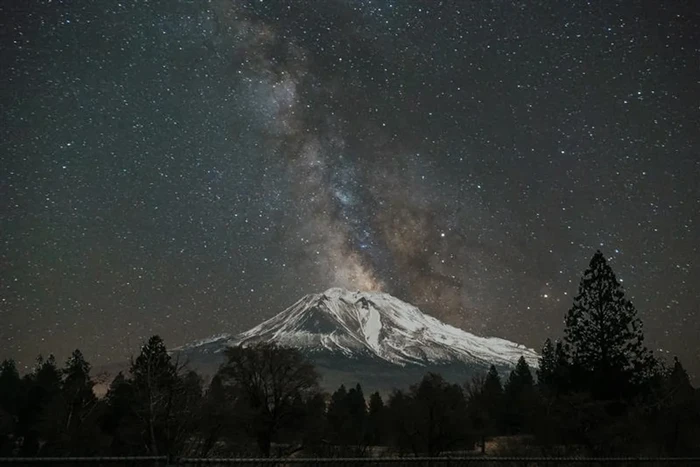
(193, 167)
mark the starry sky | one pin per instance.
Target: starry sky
(192, 167)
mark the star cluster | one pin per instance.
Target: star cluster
(193, 167)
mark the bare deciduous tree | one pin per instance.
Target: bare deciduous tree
(264, 381)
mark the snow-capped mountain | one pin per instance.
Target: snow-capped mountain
(342, 328)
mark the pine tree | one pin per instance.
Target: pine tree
(153, 367)
(439, 410)
(10, 384)
(154, 379)
(519, 399)
(314, 423)
(678, 384)
(77, 384)
(357, 417)
(37, 425)
(10, 393)
(402, 422)
(187, 401)
(429, 420)
(338, 415)
(492, 402)
(492, 385)
(520, 378)
(216, 417)
(604, 335)
(485, 405)
(547, 365)
(120, 420)
(553, 371)
(78, 403)
(493, 397)
(376, 420)
(680, 416)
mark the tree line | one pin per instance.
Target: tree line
(598, 391)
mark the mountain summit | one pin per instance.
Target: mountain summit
(341, 330)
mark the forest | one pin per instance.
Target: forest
(598, 391)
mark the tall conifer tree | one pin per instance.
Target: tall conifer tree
(604, 335)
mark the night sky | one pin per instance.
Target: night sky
(189, 168)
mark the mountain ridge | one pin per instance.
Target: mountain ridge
(370, 325)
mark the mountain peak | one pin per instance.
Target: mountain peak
(370, 338)
(376, 324)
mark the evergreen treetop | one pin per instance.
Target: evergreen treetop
(153, 366)
(603, 334)
(520, 378)
(492, 384)
(77, 372)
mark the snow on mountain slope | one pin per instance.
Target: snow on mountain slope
(372, 324)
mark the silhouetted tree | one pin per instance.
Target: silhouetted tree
(445, 407)
(520, 378)
(402, 424)
(347, 419)
(338, 416)
(266, 379)
(492, 399)
(548, 365)
(166, 400)
(493, 389)
(184, 424)
(314, 425)
(119, 419)
(10, 386)
(37, 425)
(679, 422)
(520, 402)
(553, 374)
(78, 407)
(605, 336)
(154, 379)
(485, 405)
(216, 418)
(553, 421)
(431, 419)
(10, 399)
(357, 412)
(376, 420)
(598, 389)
